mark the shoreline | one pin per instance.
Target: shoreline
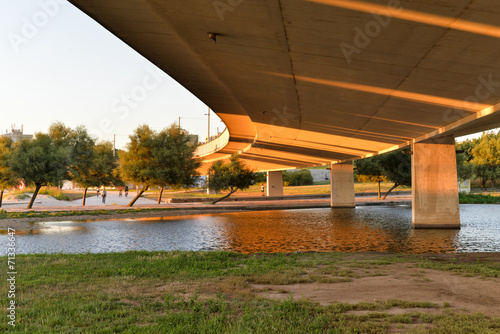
(178, 209)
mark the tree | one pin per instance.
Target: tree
(82, 147)
(465, 169)
(173, 160)
(229, 176)
(63, 137)
(61, 134)
(137, 160)
(103, 170)
(40, 162)
(397, 168)
(486, 157)
(7, 178)
(370, 170)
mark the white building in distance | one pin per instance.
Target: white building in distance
(16, 134)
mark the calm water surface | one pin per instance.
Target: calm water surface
(361, 229)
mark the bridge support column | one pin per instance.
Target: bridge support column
(342, 186)
(434, 184)
(275, 183)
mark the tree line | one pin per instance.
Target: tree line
(480, 158)
(151, 158)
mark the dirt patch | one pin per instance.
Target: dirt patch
(401, 281)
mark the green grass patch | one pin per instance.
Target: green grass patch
(50, 191)
(478, 199)
(43, 214)
(202, 292)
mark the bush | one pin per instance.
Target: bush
(300, 177)
(260, 177)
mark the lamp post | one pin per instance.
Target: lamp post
(208, 130)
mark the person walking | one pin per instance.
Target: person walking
(104, 194)
(126, 191)
(98, 192)
(120, 192)
(262, 189)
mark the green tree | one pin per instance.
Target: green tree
(174, 163)
(7, 178)
(82, 147)
(231, 176)
(104, 168)
(61, 134)
(397, 168)
(137, 160)
(63, 137)
(486, 157)
(465, 168)
(40, 162)
(370, 170)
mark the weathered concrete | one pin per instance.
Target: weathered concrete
(434, 185)
(275, 183)
(342, 186)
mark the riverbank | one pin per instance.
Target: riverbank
(221, 292)
(49, 209)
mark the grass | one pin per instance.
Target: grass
(51, 191)
(42, 214)
(206, 292)
(319, 188)
(478, 199)
(62, 195)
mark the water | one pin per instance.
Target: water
(361, 229)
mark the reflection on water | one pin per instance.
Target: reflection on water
(362, 229)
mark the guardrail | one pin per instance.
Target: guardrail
(213, 145)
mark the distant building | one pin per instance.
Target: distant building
(16, 134)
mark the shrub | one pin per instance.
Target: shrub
(300, 177)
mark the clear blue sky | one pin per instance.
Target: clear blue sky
(56, 64)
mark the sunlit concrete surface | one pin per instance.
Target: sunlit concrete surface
(274, 183)
(309, 82)
(342, 186)
(434, 185)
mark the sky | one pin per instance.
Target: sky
(57, 64)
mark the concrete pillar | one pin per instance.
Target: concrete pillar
(434, 184)
(275, 183)
(342, 186)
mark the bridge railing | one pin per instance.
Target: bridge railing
(213, 145)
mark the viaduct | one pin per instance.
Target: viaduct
(300, 83)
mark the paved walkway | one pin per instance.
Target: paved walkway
(113, 202)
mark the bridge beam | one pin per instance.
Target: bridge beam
(434, 184)
(342, 186)
(275, 183)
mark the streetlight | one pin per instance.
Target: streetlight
(208, 130)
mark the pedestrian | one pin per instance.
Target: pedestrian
(104, 194)
(120, 192)
(262, 189)
(98, 192)
(126, 191)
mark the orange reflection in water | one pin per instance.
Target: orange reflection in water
(328, 230)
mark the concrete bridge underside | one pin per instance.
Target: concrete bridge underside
(310, 82)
